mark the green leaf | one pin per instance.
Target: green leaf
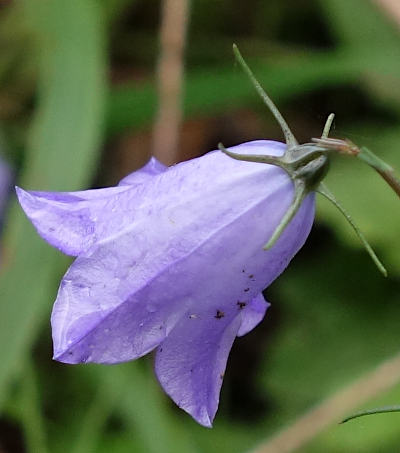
(29, 410)
(211, 91)
(131, 390)
(360, 24)
(61, 155)
(106, 399)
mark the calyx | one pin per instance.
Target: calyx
(307, 164)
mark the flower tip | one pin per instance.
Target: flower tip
(19, 191)
(57, 353)
(64, 357)
(208, 424)
(24, 198)
(204, 420)
(57, 357)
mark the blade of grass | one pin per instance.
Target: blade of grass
(144, 409)
(341, 16)
(30, 410)
(131, 390)
(63, 140)
(106, 399)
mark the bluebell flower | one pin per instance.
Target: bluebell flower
(171, 260)
(175, 259)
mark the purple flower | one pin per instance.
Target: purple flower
(171, 259)
(5, 186)
(5, 183)
(176, 259)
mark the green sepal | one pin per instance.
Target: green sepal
(300, 192)
(260, 158)
(307, 165)
(323, 190)
(289, 137)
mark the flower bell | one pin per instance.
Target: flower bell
(175, 259)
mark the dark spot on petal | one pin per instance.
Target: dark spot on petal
(160, 350)
(251, 276)
(220, 314)
(243, 271)
(241, 305)
(246, 289)
(191, 370)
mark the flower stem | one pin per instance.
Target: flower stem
(364, 154)
(385, 170)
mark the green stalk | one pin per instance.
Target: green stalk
(385, 170)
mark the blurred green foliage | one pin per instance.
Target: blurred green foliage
(78, 74)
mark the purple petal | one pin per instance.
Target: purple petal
(5, 182)
(74, 221)
(114, 332)
(190, 364)
(253, 314)
(152, 168)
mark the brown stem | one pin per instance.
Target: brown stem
(170, 77)
(391, 179)
(392, 9)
